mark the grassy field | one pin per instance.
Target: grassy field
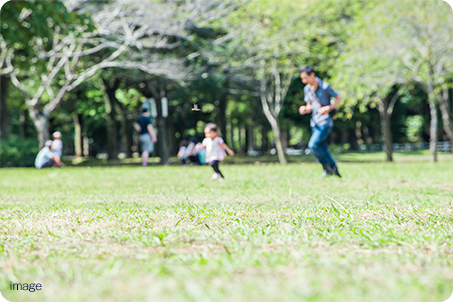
(268, 233)
(421, 155)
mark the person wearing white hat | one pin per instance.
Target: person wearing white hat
(58, 143)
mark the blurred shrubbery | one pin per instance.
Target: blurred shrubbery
(414, 126)
(18, 152)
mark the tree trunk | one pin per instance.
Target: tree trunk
(278, 142)
(126, 138)
(43, 131)
(275, 129)
(433, 123)
(221, 114)
(239, 139)
(249, 138)
(110, 118)
(383, 108)
(433, 130)
(173, 144)
(77, 135)
(163, 140)
(167, 125)
(41, 124)
(162, 133)
(164, 156)
(232, 137)
(112, 141)
(446, 116)
(86, 145)
(386, 132)
(284, 134)
(264, 139)
(387, 135)
(4, 121)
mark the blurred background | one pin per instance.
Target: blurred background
(85, 68)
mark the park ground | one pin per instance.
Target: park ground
(383, 232)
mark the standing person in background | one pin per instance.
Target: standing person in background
(58, 143)
(317, 96)
(215, 149)
(148, 137)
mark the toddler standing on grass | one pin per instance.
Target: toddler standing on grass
(215, 149)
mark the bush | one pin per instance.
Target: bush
(414, 126)
(18, 152)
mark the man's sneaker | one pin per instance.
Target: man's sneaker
(328, 169)
(324, 174)
(335, 171)
(215, 176)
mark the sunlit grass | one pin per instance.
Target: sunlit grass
(268, 233)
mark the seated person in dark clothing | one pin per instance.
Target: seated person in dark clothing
(182, 151)
(191, 151)
(187, 151)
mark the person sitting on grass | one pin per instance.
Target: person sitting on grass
(191, 151)
(215, 149)
(48, 157)
(182, 152)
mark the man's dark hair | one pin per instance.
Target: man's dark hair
(145, 109)
(307, 69)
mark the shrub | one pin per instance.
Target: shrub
(18, 152)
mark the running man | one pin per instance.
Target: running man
(317, 96)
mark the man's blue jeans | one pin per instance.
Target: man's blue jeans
(318, 144)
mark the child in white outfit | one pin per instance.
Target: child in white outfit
(215, 149)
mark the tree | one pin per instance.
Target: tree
(269, 40)
(61, 53)
(422, 46)
(425, 46)
(447, 114)
(64, 56)
(265, 48)
(20, 22)
(376, 80)
(381, 57)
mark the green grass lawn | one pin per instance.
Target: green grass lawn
(268, 233)
(421, 155)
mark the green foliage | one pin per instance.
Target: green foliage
(18, 152)
(23, 21)
(353, 45)
(414, 126)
